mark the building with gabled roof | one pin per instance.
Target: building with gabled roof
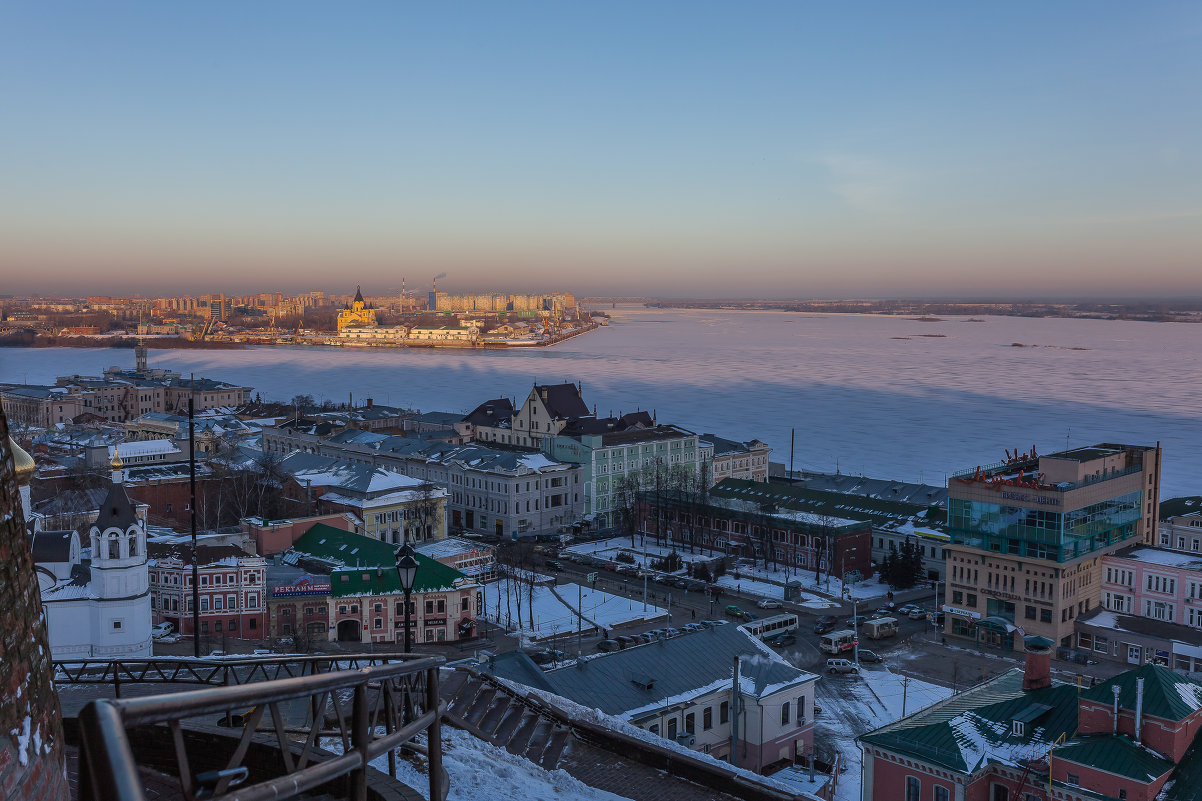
(683, 688)
(364, 598)
(1023, 735)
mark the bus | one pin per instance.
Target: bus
(774, 627)
(838, 642)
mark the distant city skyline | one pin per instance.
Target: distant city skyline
(662, 149)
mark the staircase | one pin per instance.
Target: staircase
(492, 714)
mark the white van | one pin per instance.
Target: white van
(841, 666)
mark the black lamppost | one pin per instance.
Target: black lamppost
(406, 569)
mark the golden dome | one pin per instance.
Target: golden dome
(116, 462)
(22, 461)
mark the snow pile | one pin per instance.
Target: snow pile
(480, 770)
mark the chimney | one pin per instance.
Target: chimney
(1139, 707)
(369, 403)
(1116, 690)
(1037, 673)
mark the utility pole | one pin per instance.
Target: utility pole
(905, 690)
(644, 588)
(192, 507)
(579, 618)
(792, 436)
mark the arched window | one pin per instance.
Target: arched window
(133, 544)
(114, 547)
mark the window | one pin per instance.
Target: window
(707, 718)
(913, 788)
(784, 713)
(1045, 615)
(1074, 779)
(690, 723)
(957, 597)
(1029, 613)
(671, 728)
(116, 625)
(653, 728)
(1018, 728)
(429, 607)
(801, 709)
(724, 712)
(941, 794)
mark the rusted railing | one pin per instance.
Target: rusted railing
(389, 705)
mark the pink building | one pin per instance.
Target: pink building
(232, 589)
(1151, 609)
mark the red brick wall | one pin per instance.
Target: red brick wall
(889, 780)
(1166, 737)
(31, 759)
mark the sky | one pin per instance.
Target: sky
(700, 149)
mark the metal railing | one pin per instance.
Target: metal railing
(212, 671)
(389, 705)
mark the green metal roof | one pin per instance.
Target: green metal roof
(1115, 754)
(1167, 695)
(1185, 505)
(879, 512)
(967, 730)
(1186, 782)
(367, 566)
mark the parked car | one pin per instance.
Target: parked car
(665, 579)
(554, 564)
(750, 616)
(626, 640)
(869, 656)
(917, 613)
(160, 630)
(905, 609)
(734, 611)
(882, 612)
(671, 632)
(856, 622)
(825, 623)
(841, 666)
(709, 624)
(768, 603)
(693, 627)
(544, 656)
(608, 645)
(783, 642)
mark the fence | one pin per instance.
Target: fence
(400, 698)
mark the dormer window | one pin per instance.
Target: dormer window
(1018, 728)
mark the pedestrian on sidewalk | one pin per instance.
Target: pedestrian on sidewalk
(694, 611)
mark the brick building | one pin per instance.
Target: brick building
(1024, 735)
(750, 520)
(233, 589)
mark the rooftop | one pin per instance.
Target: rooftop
(650, 676)
(973, 727)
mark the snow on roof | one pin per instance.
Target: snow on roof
(1159, 556)
(147, 447)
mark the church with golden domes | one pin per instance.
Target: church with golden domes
(359, 313)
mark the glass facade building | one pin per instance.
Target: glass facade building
(1044, 533)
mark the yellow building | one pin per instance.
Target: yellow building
(359, 313)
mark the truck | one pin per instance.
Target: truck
(880, 628)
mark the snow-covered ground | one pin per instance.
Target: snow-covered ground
(552, 617)
(854, 705)
(756, 581)
(480, 770)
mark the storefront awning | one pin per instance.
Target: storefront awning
(998, 624)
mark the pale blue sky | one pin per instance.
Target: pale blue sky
(740, 149)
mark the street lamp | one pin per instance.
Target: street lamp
(406, 569)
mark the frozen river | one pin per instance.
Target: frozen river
(891, 397)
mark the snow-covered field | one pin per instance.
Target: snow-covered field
(853, 705)
(553, 617)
